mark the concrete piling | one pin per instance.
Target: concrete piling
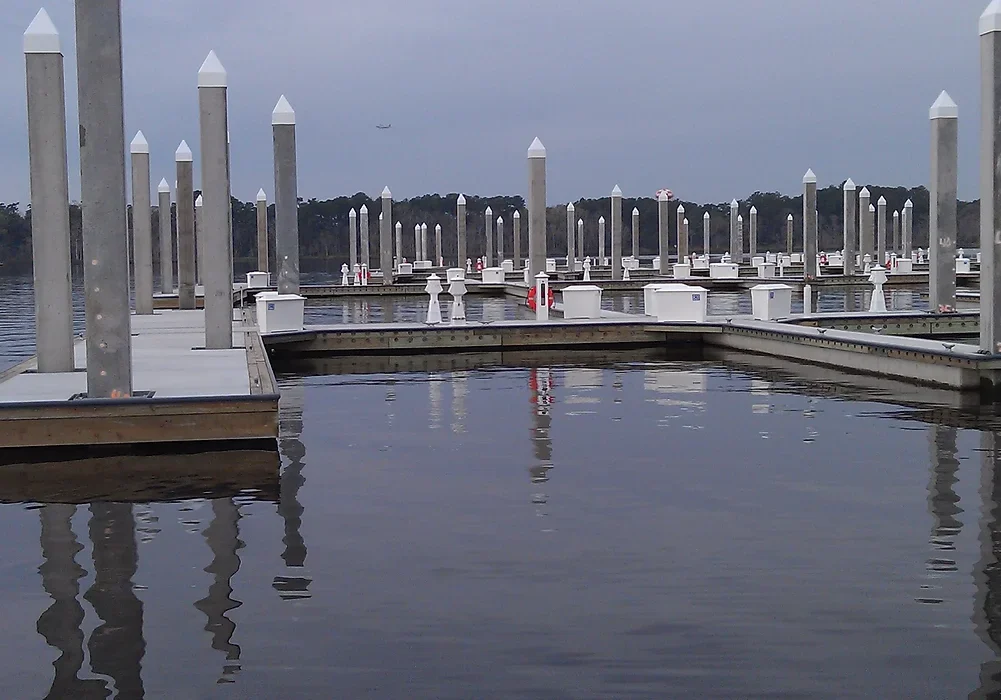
(366, 249)
(990, 179)
(50, 224)
(789, 234)
(571, 237)
(896, 233)
(706, 222)
(398, 230)
(810, 269)
(636, 233)
(943, 222)
(752, 249)
(602, 249)
(438, 258)
(850, 215)
(616, 233)
(166, 238)
(386, 237)
(881, 231)
(142, 227)
(663, 232)
(735, 252)
(517, 239)
(536, 208)
(417, 243)
(740, 239)
(488, 223)
(580, 238)
(286, 197)
(907, 226)
(199, 225)
(460, 228)
(262, 232)
(185, 205)
(500, 240)
(102, 186)
(866, 243)
(682, 237)
(353, 238)
(425, 253)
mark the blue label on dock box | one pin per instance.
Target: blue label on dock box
(696, 297)
(271, 306)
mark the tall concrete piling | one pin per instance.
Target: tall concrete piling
(602, 249)
(682, 237)
(286, 197)
(616, 233)
(789, 234)
(366, 249)
(735, 253)
(417, 243)
(943, 221)
(50, 223)
(810, 225)
(142, 226)
(460, 230)
(352, 238)
(990, 179)
(536, 208)
(399, 242)
(488, 223)
(438, 258)
(684, 234)
(186, 264)
(517, 239)
(102, 188)
(740, 238)
(262, 232)
(166, 238)
(635, 233)
(571, 236)
(907, 226)
(425, 252)
(500, 240)
(850, 215)
(706, 223)
(199, 225)
(580, 238)
(881, 231)
(866, 244)
(896, 233)
(752, 248)
(663, 231)
(386, 237)
(217, 244)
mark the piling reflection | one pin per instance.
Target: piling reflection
(459, 392)
(541, 387)
(987, 575)
(292, 584)
(60, 624)
(117, 645)
(942, 499)
(223, 538)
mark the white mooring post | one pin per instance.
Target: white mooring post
(517, 239)
(602, 249)
(850, 214)
(789, 234)
(286, 197)
(907, 226)
(353, 237)
(366, 249)
(262, 232)
(571, 235)
(50, 224)
(460, 228)
(663, 232)
(867, 245)
(166, 237)
(185, 217)
(810, 269)
(753, 245)
(896, 233)
(616, 233)
(399, 243)
(735, 252)
(580, 239)
(488, 223)
(500, 240)
(386, 237)
(199, 225)
(142, 226)
(102, 188)
(706, 223)
(881, 231)
(682, 236)
(636, 233)
(418, 253)
(439, 260)
(536, 208)
(943, 220)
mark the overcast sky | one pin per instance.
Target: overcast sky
(712, 98)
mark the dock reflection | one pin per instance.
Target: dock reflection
(987, 574)
(292, 584)
(943, 503)
(541, 384)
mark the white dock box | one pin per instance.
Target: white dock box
(422, 264)
(681, 302)
(766, 270)
(277, 313)
(797, 258)
(962, 265)
(905, 266)
(649, 300)
(507, 265)
(493, 275)
(771, 301)
(582, 301)
(550, 265)
(257, 280)
(701, 263)
(682, 271)
(405, 269)
(656, 263)
(724, 271)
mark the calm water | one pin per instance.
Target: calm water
(618, 526)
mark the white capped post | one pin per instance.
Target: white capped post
(881, 231)
(867, 244)
(663, 231)
(943, 221)
(849, 214)
(50, 224)
(616, 233)
(602, 250)
(286, 197)
(516, 234)
(185, 206)
(536, 208)
(142, 226)
(488, 223)
(753, 246)
(352, 238)
(736, 254)
(460, 229)
(166, 236)
(682, 238)
(571, 223)
(907, 225)
(810, 269)
(789, 234)
(636, 233)
(438, 257)
(706, 222)
(366, 250)
(262, 232)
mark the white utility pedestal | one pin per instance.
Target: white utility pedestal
(681, 302)
(258, 280)
(771, 301)
(582, 301)
(682, 271)
(724, 271)
(493, 275)
(279, 313)
(904, 266)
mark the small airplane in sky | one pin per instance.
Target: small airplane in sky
(383, 126)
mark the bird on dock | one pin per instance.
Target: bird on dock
(822, 330)
(877, 329)
(948, 346)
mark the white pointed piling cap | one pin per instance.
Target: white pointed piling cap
(199, 202)
(705, 216)
(789, 218)
(183, 153)
(212, 74)
(380, 216)
(882, 201)
(636, 212)
(352, 214)
(754, 210)
(616, 192)
(809, 177)
(908, 204)
(461, 201)
(437, 228)
(681, 208)
(399, 226)
(283, 113)
(139, 144)
(386, 194)
(686, 221)
(864, 192)
(364, 209)
(601, 219)
(536, 150)
(944, 108)
(849, 185)
(740, 217)
(570, 207)
(164, 186)
(990, 21)
(896, 215)
(500, 219)
(517, 214)
(489, 212)
(662, 197)
(41, 35)
(872, 209)
(580, 222)
(733, 204)
(262, 195)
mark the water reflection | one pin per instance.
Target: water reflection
(987, 575)
(223, 538)
(541, 385)
(293, 584)
(459, 391)
(942, 499)
(117, 645)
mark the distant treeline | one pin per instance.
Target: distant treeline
(323, 224)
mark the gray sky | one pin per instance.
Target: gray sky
(712, 98)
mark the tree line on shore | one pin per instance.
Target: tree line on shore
(323, 224)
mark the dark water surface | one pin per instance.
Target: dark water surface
(618, 526)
